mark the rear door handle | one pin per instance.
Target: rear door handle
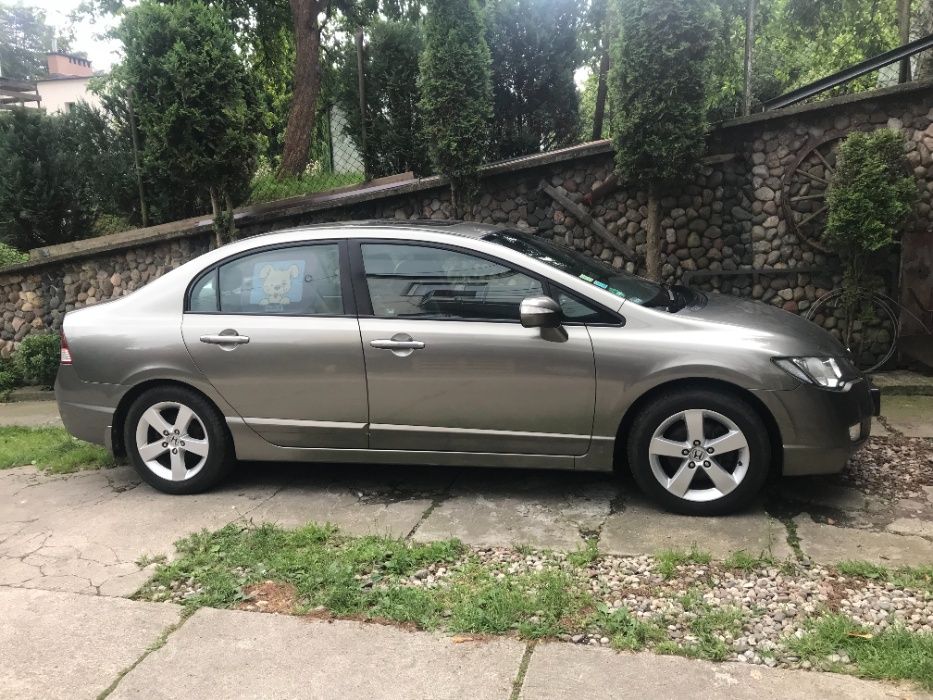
(389, 344)
(225, 339)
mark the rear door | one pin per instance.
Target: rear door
(275, 332)
(449, 366)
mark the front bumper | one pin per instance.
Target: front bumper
(815, 425)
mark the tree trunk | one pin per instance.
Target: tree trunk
(231, 223)
(306, 87)
(653, 240)
(903, 30)
(749, 51)
(218, 218)
(601, 88)
(925, 63)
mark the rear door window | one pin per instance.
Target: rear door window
(294, 281)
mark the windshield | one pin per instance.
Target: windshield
(586, 268)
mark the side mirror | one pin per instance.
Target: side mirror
(540, 312)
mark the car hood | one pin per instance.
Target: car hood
(795, 334)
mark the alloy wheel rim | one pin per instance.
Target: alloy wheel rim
(172, 441)
(699, 455)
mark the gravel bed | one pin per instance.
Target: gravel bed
(892, 467)
(773, 602)
(770, 604)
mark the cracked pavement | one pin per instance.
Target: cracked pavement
(67, 541)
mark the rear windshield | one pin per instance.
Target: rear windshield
(584, 267)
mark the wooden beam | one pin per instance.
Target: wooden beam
(583, 216)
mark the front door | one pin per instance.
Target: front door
(449, 366)
(274, 335)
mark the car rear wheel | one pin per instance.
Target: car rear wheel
(176, 440)
(700, 452)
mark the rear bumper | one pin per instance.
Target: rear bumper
(820, 429)
(86, 408)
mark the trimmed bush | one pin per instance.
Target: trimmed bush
(9, 375)
(37, 358)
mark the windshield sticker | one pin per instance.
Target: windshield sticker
(617, 292)
(587, 278)
(601, 285)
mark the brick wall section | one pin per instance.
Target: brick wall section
(731, 216)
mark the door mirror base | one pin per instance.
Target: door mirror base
(540, 312)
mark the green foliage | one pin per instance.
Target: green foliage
(394, 139)
(195, 101)
(743, 561)
(670, 559)
(917, 577)
(10, 255)
(625, 631)
(587, 555)
(25, 39)
(49, 449)
(535, 48)
(871, 195)
(45, 194)
(10, 376)
(658, 86)
(268, 188)
(893, 654)
(103, 151)
(37, 358)
(456, 95)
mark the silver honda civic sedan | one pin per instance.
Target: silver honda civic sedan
(444, 343)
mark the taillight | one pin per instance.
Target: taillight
(65, 357)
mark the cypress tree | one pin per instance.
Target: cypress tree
(456, 93)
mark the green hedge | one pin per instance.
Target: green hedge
(37, 358)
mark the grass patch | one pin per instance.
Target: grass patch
(369, 577)
(916, 577)
(741, 560)
(670, 559)
(894, 654)
(340, 573)
(49, 449)
(625, 631)
(587, 555)
(536, 605)
(266, 188)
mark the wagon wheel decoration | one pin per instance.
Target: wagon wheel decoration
(805, 185)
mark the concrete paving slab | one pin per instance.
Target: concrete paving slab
(642, 528)
(558, 671)
(353, 514)
(85, 532)
(912, 526)
(547, 510)
(61, 645)
(878, 429)
(909, 415)
(821, 490)
(30, 413)
(359, 499)
(230, 654)
(829, 544)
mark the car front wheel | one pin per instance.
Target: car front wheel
(176, 440)
(700, 452)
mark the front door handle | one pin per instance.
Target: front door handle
(389, 344)
(225, 339)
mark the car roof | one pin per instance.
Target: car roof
(467, 229)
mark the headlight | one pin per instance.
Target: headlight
(827, 372)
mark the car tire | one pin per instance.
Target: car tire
(700, 452)
(177, 440)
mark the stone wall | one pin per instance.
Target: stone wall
(732, 217)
